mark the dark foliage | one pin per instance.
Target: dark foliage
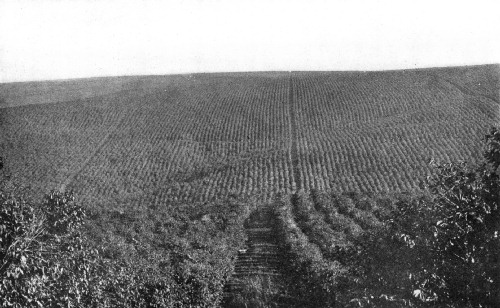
(178, 257)
(44, 259)
(439, 251)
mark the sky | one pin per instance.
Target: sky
(57, 39)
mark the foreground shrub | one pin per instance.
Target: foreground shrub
(258, 292)
(440, 251)
(175, 257)
(44, 259)
(317, 278)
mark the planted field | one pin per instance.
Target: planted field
(44, 144)
(171, 167)
(378, 131)
(148, 141)
(230, 136)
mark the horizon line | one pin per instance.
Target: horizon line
(62, 79)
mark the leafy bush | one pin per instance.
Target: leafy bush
(44, 259)
(317, 279)
(258, 292)
(440, 251)
(174, 257)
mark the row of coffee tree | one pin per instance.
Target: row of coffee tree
(437, 249)
(52, 255)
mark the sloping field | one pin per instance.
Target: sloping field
(378, 131)
(61, 91)
(144, 141)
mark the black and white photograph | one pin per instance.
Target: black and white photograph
(249, 153)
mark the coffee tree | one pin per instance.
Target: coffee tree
(440, 250)
(44, 259)
(465, 244)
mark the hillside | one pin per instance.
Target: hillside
(131, 142)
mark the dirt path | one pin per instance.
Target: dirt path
(466, 91)
(259, 279)
(96, 150)
(294, 155)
